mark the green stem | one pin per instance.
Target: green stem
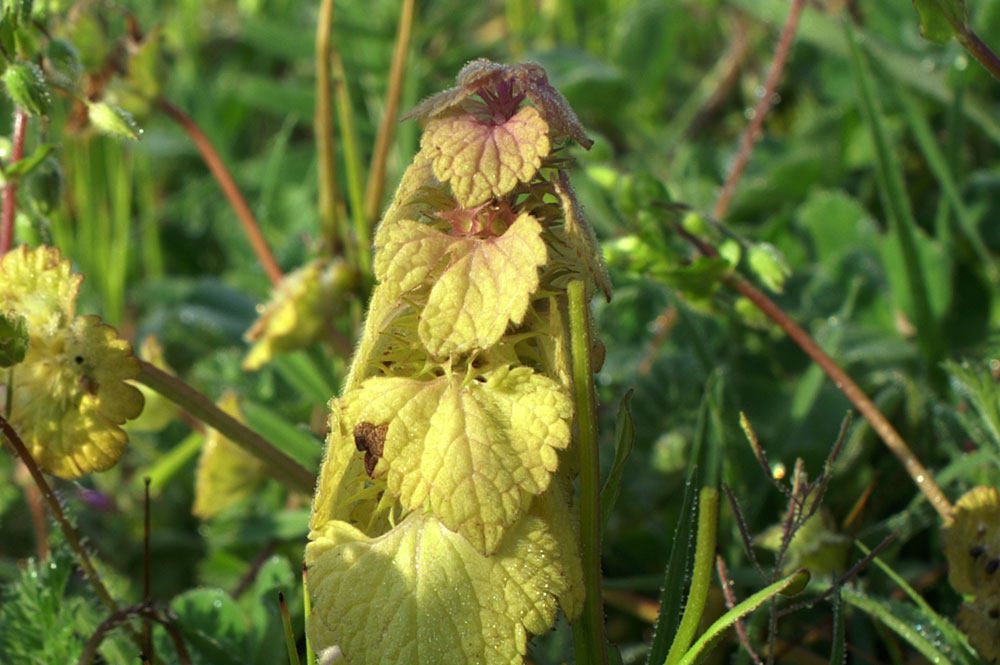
(376, 172)
(278, 464)
(701, 577)
(352, 163)
(589, 642)
(306, 611)
(323, 128)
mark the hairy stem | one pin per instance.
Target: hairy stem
(9, 206)
(279, 465)
(229, 188)
(57, 512)
(323, 128)
(376, 172)
(760, 111)
(589, 642)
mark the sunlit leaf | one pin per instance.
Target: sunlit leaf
(480, 159)
(423, 595)
(487, 285)
(475, 452)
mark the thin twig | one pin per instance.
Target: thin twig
(148, 613)
(255, 566)
(323, 128)
(229, 188)
(9, 207)
(744, 532)
(760, 111)
(892, 439)
(376, 172)
(147, 627)
(727, 592)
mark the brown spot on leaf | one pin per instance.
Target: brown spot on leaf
(370, 439)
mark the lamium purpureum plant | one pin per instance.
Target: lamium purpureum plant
(444, 525)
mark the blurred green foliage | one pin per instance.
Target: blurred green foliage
(665, 89)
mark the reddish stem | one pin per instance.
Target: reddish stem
(892, 439)
(10, 189)
(979, 50)
(760, 111)
(56, 508)
(229, 188)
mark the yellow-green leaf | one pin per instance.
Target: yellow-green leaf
(421, 595)
(480, 159)
(487, 285)
(941, 19)
(342, 477)
(407, 252)
(474, 452)
(226, 472)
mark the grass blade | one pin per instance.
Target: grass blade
(701, 578)
(796, 579)
(680, 552)
(892, 187)
(624, 438)
(938, 164)
(879, 610)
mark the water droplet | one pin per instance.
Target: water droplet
(217, 604)
(961, 62)
(927, 65)
(749, 114)
(920, 479)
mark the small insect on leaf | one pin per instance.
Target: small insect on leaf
(370, 439)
